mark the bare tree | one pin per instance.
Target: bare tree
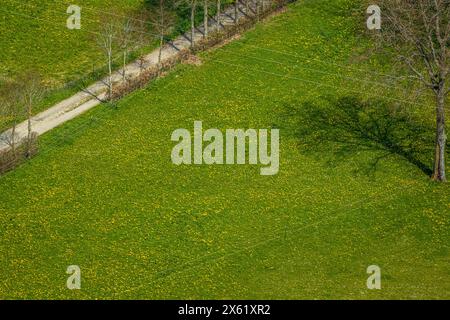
(218, 12)
(236, 11)
(163, 22)
(418, 33)
(206, 4)
(125, 38)
(31, 91)
(106, 41)
(193, 7)
(193, 11)
(11, 111)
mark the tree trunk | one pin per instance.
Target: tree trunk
(257, 9)
(193, 22)
(441, 138)
(161, 34)
(110, 77)
(124, 75)
(218, 13)
(13, 139)
(29, 115)
(110, 91)
(236, 6)
(161, 43)
(205, 17)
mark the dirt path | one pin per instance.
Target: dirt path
(82, 101)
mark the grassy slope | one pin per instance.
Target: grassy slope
(104, 195)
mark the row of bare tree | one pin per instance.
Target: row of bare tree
(119, 35)
(252, 8)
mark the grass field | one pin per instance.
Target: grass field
(35, 35)
(104, 195)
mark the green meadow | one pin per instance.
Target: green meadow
(353, 188)
(34, 35)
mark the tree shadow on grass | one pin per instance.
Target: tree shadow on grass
(345, 126)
